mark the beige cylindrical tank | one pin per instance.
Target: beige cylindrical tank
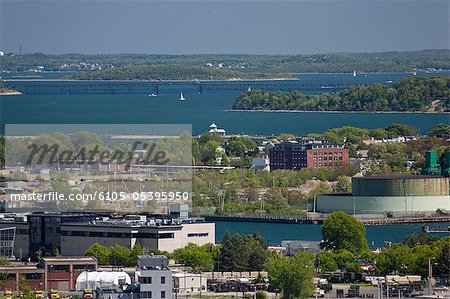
(400, 185)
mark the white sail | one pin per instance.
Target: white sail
(249, 89)
(354, 73)
(182, 97)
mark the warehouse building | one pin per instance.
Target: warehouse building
(70, 234)
(165, 235)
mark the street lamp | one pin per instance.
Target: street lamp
(49, 279)
(354, 205)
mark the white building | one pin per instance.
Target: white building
(189, 283)
(261, 163)
(76, 237)
(154, 277)
(95, 279)
(215, 130)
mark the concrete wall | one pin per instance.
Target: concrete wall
(188, 234)
(156, 286)
(380, 204)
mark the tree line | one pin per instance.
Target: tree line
(330, 62)
(409, 94)
(156, 72)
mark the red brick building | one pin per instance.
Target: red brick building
(309, 153)
(51, 273)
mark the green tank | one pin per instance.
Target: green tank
(446, 170)
(431, 166)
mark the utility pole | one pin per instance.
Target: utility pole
(430, 276)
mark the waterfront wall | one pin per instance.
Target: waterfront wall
(379, 204)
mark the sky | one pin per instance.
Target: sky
(223, 27)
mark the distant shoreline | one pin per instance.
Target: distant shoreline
(148, 81)
(11, 93)
(339, 111)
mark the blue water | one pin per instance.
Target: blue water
(202, 110)
(274, 233)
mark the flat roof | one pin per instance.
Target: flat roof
(69, 258)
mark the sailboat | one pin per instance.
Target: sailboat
(249, 89)
(182, 97)
(354, 73)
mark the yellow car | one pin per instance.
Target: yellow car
(87, 294)
(8, 294)
(39, 294)
(53, 294)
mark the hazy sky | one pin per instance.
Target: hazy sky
(255, 27)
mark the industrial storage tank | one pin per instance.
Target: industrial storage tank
(400, 185)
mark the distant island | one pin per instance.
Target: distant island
(6, 90)
(172, 72)
(409, 94)
(224, 66)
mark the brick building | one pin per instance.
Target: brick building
(51, 273)
(309, 153)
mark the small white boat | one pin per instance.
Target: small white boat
(249, 89)
(182, 98)
(415, 73)
(153, 95)
(354, 73)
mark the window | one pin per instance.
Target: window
(77, 233)
(146, 280)
(96, 234)
(163, 294)
(58, 268)
(147, 294)
(166, 235)
(163, 280)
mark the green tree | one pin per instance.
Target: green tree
(242, 252)
(342, 231)
(119, 256)
(343, 185)
(100, 252)
(258, 255)
(396, 130)
(198, 258)
(420, 239)
(442, 267)
(440, 130)
(292, 275)
(326, 261)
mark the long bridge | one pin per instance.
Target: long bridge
(49, 86)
